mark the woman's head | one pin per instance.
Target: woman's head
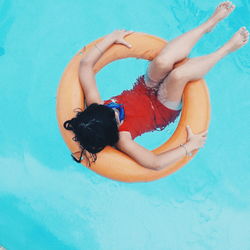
(94, 128)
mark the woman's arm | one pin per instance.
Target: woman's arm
(161, 161)
(171, 156)
(147, 158)
(95, 53)
(86, 71)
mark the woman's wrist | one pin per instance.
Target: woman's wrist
(110, 37)
(106, 42)
(98, 49)
(188, 147)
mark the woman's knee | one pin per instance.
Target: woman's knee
(178, 75)
(163, 63)
(157, 71)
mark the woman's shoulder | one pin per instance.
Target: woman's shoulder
(124, 138)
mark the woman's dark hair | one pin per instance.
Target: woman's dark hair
(94, 128)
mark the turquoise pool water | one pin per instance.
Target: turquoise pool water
(49, 202)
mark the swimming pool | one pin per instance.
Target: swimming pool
(49, 202)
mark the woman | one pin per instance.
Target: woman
(155, 99)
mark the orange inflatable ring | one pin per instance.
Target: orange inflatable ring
(110, 162)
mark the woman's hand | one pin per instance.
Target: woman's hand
(118, 36)
(195, 141)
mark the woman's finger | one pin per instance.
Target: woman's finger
(129, 32)
(189, 131)
(204, 133)
(125, 43)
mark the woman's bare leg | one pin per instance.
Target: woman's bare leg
(180, 47)
(170, 91)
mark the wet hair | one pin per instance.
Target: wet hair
(94, 128)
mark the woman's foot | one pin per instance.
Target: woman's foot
(222, 11)
(239, 39)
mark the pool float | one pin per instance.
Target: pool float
(111, 162)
